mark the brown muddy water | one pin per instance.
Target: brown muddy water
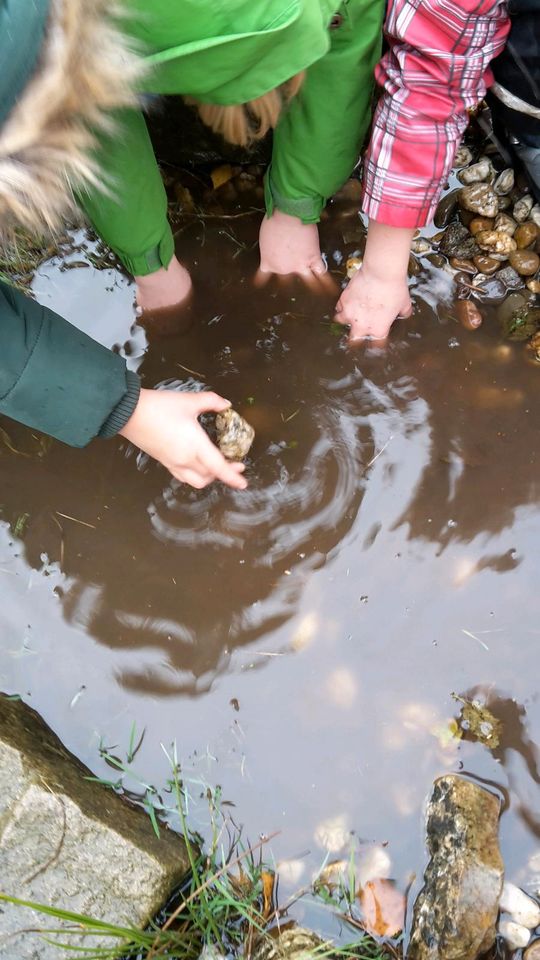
(300, 641)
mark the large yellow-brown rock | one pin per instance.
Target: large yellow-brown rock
(456, 911)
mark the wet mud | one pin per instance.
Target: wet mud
(301, 641)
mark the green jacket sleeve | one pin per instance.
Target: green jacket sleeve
(54, 378)
(130, 214)
(318, 140)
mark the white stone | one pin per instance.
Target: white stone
(476, 172)
(535, 214)
(522, 209)
(522, 908)
(515, 934)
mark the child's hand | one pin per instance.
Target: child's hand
(289, 246)
(164, 424)
(371, 303)
(167, 287)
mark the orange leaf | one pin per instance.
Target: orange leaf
(268, 892)
(221, 175)
(383, 908)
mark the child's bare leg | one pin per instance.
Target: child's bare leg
(166, 287)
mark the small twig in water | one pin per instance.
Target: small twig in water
(291, 417)
(83, 523)
(377, 455)
(194, 372)
(474, 637)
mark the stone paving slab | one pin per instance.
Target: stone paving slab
(71, 843)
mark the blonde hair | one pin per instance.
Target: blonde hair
(245, 122)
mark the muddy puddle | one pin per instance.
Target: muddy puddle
(300, 641)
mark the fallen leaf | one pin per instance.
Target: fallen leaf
(268, 880)
(221, 175)
(478, 722)
(383, 908)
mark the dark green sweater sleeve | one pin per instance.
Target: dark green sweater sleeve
(56, 379)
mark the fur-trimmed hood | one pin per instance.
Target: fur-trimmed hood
(85, 68)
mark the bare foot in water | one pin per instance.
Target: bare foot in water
(166, 287)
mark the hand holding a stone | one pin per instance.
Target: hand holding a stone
(164, 424)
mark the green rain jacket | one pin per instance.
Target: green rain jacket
(56, 379)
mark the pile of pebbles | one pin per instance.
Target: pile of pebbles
(489, 239)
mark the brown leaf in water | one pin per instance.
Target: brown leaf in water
(268, 880)
(383, 908)
(221, 175)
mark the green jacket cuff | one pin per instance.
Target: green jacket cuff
(307, 209)
(139, 265)
(122, 412)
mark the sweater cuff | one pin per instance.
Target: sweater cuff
(307, 209)
(122, 412)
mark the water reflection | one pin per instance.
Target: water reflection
(382, 557)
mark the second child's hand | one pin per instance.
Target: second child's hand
(378, 293)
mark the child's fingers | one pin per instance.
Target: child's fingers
(262, 277)
(215, 464)
(206, 402)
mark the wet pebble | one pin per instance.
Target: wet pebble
(533, 951)
(353, 265)
(463, 156)
(515, 934)
(519, 320)
(523, 208)
(420, 246)
(457, 242)
(510, 278)
(486, 265)
(437, 260)
(446, 209)
(476, 172)
(535, 214)
(480, 198)
(234, 435)
(504, 182)
(489, 288)
(526, 234)
(505, 224)
(522, 908)
(468, 315)
(414, 267)
(466, 266)
(505, 203)
(481, 223)
(533, 285)
(496, 242)
(525, 262)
